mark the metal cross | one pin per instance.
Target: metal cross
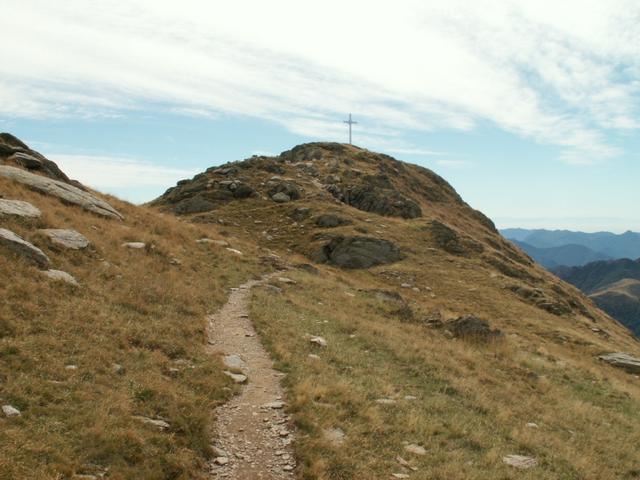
(349, 122)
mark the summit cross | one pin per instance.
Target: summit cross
(349, 122)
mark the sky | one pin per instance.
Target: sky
(531, 110)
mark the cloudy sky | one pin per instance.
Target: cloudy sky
(529, 108)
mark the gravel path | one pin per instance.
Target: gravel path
(254, 434)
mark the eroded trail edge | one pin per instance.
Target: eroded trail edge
(252, 433)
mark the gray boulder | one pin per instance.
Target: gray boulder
(29, 252)
(60, 276)
(18, 208)
(281, 197)
(622, 360)
(358, 252)
(64, 191)
(66, 238)
(282, 186)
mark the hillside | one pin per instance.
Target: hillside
(598, 275)
(621, 300)
(412, 340)
(625, 245)
(565, 255)
(613, 286)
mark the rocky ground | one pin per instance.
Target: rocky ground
(253, 435)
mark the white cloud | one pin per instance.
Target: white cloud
(109, 173)
(559, 73)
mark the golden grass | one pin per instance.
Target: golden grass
(135, 309)
(473, 401)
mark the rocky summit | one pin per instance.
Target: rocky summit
(326, 313)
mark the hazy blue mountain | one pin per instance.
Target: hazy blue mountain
(625, 245)
(597, 275)
(568, 255)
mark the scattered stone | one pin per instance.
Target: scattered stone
(236, 377)
(410, 397)
(531, 425)
(161, 424)
(622, 360)
(10, 411)
(520, 461)
(300, 214)
(60, 276)
(82, 476)
(415, 449)
(281, 197)
(331, 220)
(234, 361)
(399, 475)
(335, 436)
(23, 248)
(277, 405)
(470, 326)
(64, 191)
(71, 367)
(286, 280)
(218, 452)
(18, 208)
(385, 401)
(66, 238)
(313, 356)
(118, 369)
(134, 245)
(287, 468)
(221, 460)
(405, 464)
(234, 251)
(321, 342)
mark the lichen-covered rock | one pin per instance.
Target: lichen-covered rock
(470, 326)
(60, 276)
(16, 244)
(66, 238)
(18, 208)
(622, 360)
(357, 252)
(64, 191)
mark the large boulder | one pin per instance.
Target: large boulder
(472, 327)
(18, 208)
(66, 238)
(357, 252)
(622, 360)
(64, 191)
(279, 186)
(26, 250)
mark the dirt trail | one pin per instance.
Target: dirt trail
(253, 435)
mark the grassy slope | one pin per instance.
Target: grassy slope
(474, 401)
(134, 308)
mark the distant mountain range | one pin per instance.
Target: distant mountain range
(600, 245)
(614, 285)
(564, 255)
(600, 264)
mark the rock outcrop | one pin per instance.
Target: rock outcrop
(64, 238)
(26, 250)
(59, 189)
(18, 208)
(622, 360)
(16, 152)
(357, 252)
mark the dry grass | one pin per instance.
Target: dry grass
(133, 308)
(473, 400)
